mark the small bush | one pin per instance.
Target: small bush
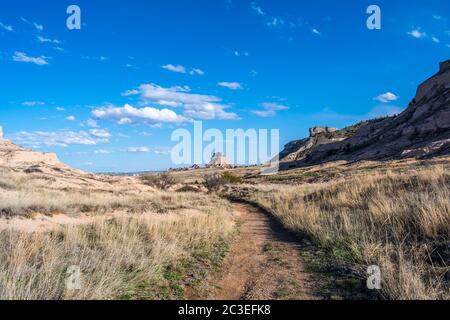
(231, 178)
(213, 182)
(161, 181)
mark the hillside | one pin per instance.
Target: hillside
(422, 130)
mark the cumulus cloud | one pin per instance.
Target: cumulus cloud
(41, 139)
(183, 69)
(195, 105)
(23, 57)
(173, 68)
(100, 133)
(269, 109)
(129, 114)
(417, 33)
(92, 123)
(231, 85)
(6, 27)
(71, 118)
(386, 97)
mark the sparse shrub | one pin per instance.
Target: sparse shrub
(161, 181)
(231, 178)
(213, 182)
(188, 189)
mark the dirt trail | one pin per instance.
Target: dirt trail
(263, 263)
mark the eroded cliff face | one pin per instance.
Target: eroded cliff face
(297, 150)
(13, 155)
(422, 130)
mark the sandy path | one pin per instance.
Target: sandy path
(263, 263)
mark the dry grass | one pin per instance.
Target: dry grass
(24, 194)
(399, 221)
(145, 254)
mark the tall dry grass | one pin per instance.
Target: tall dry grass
(146, 253)
(398, 221)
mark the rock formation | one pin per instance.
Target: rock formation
(12, 155)
(297, 150)
(218, 160)
(422, 130)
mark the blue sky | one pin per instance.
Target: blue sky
(107, 97)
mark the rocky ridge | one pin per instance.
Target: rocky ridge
(422, 130)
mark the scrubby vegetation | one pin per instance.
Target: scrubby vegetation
(398, 221)
(215, 181)
(154, 247)
(162, 181)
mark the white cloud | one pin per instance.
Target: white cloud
(315, 31)
(38, 26)
(124, 121)
(22, 57)
(241, 53)
(130, 93)
(183, 69)
(274, 106)
(197, 71)
(102, 151)
(59, 49)
(60, 109)
(41, 139)
(231, 85)
(416, 33)
(257, 9)
(386, 97)
(270, 109)
(435, 39)
(275, 22)
(71, 118)
(194, 105)
(43, 39)
(32, 103)
(6, 27)
(137, 150)
(128, 114)
(173, 68)
(162, 151)
(91, 123)
(100, 133)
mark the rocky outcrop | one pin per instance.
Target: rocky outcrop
(13, 155)
(422, 130)
(218, 160)
(299, 149)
